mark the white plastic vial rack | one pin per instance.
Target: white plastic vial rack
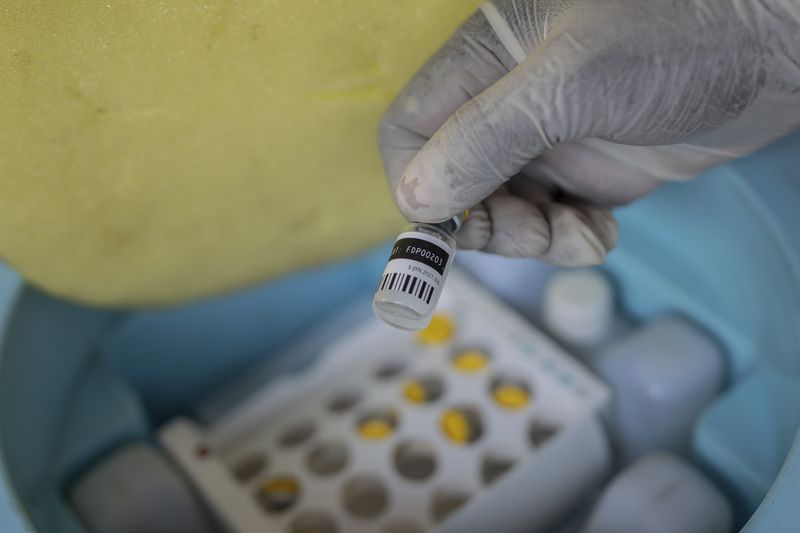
(477, 423)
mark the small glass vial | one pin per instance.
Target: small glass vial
(415, 274)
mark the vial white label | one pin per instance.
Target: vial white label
(417, 267)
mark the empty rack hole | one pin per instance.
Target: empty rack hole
(377, 424)
(249, 466)
(495, 465)
(470, 360)
(343, 401)
(423, 389)
(390, 369)
(327, 458)
(541, 431)
(313, 522)
(462, 425)
(296, 434)
(415, 459)
(510, 393)
(402, 526)
(365, 496)
(446, 501)
(278, 494)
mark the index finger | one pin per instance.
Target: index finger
(470, 62)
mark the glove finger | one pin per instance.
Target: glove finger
(520, 226)
(610, 174)
(475, 230)
(601, 178)
(579, 235)
(472, 60)
(544, 194)
(478, 229)
(496, 134)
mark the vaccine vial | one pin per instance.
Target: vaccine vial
(415, 273)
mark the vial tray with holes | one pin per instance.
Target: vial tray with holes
(477, 423)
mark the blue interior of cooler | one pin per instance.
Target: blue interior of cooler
(76, 382)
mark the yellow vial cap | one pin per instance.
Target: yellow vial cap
(441, 329)
(375, 429)
(414, 391)
(471, 361)
(278, 494)
(511, 396)
(281, 485)
(456, 426)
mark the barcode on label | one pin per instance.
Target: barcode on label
(394, 281)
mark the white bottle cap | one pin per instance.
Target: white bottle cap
(579, 306)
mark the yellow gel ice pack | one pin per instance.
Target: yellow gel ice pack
(156, 151)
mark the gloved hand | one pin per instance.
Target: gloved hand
(542, 114)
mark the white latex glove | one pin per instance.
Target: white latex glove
(542, 114)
